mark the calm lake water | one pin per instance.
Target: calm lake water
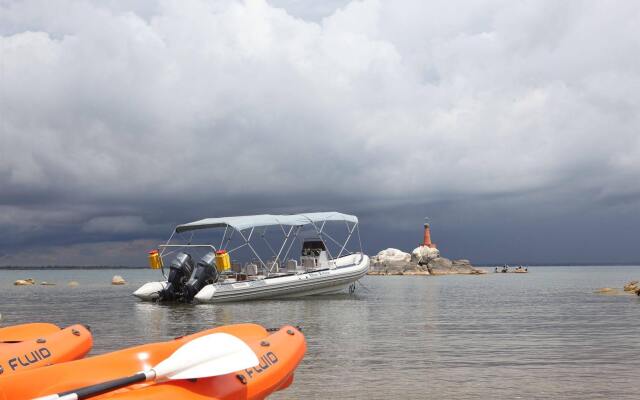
(542, 335)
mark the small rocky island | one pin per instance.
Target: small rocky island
(632, 287)
(423, 260)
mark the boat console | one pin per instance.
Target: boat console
(314, 255)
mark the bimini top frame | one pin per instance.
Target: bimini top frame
(246, 226)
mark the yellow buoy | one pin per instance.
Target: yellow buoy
(223, 261)
(155, 261)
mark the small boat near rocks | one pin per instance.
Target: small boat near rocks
(325, 264)
(518, 270)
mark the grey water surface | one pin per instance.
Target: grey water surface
(542, 335)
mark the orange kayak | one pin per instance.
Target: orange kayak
(279, 353)
(28, 346)
(18, 333)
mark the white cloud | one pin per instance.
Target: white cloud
(373, 101)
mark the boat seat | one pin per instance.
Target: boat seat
(273, 266)
(251, 269)
(292, 266)
(308, 263)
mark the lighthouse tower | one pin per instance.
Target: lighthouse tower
(427, 251)
(427, 235)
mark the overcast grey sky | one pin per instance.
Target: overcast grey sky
(514, 125)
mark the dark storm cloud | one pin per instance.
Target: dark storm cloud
(506, 122)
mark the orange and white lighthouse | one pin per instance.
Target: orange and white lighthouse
(427, 235)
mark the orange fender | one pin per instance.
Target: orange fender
(279, 353)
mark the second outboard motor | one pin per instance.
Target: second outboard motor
(179, 272)
(205, 274)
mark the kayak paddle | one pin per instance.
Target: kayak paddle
(210, 355)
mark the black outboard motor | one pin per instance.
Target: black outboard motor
(179, 272)
(205, 274)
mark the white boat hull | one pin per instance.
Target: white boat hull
(298, 285)
(295, 285)
(150, 291)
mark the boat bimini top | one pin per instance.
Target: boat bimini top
(289, 225)
(254, 221)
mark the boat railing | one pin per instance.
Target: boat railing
(179, 246)
(188, 245)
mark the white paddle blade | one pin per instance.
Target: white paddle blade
(210, 355)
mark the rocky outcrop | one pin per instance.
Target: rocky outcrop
(437, 266)
(444, 266)
(633, 287)
(391, 256)
(397, 269)
(440, 266)
(390, 262)
(24, 282)
(423, 254)
(395, 262)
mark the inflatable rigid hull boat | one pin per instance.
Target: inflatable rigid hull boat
(277, 354)
(27, 346)
(325, 265)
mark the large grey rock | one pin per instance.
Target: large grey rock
(465, 267)
(444, 266)
(424, 254)
(440, 266)
(389, 262)
(398, 268)
(391, 256)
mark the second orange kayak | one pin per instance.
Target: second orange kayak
(28, 346)
(279, 353)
